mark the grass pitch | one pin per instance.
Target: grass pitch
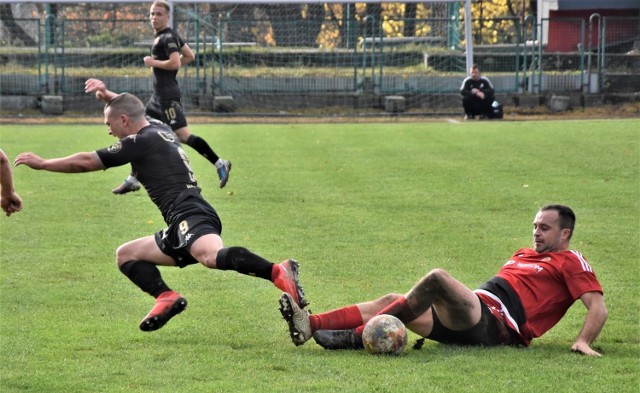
(367, 209)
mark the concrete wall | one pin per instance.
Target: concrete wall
(276, 95)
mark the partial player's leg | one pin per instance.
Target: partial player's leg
(330, 329)
(457, 305)
(209, 251)
(336, 329)
(297, 319)
(176, 119)
(137, 260)
(467, 105)
(129, 184)
(223, 167)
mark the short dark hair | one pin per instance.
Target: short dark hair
(127, 104)
(565, 214)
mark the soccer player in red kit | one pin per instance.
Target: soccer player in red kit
(530, 293)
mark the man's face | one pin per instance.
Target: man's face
(159, 18)
(547, 235)
(475, 74)
(115, 124)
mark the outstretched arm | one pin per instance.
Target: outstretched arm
(9, 199)
(102, 93)
(75, 163)
(593, 323)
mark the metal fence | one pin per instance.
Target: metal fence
(314, 63)
(579, 55)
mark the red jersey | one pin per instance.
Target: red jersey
(547, 285)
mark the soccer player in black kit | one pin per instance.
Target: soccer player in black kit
(193, 226)
(168, 53)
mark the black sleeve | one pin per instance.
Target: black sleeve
(489, 90)
(122, 152)
(171, 43)
(464, 89)
(180, 41)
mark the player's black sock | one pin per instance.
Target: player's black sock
(201, 146)
(243, 261)
(146, 276)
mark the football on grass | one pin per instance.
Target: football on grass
(384, 335)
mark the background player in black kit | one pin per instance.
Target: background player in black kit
(168, 53)
(477, 95)
(193, 226)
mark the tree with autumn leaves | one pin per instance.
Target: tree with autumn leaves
(310, 25)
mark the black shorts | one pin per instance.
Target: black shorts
(168, 111)
(490, 331)
(176, 240)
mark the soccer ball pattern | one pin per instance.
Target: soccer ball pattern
(384, 335)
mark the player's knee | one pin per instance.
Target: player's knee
(211, 257)
(123, 255)
(388, 299)
(183, 134)
(435, 278)
(438, 273)
(208, 260)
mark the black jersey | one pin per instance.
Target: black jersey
(159, 163)
(165, 85)
(483, 84)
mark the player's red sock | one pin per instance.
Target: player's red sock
(342, 318)
(395, 309)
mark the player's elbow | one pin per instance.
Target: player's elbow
(173, 63)
(187, 59)
(599, 310)
(85, 162)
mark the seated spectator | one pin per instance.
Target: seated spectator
(477, 95)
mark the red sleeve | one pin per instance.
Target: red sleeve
(579, 275)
